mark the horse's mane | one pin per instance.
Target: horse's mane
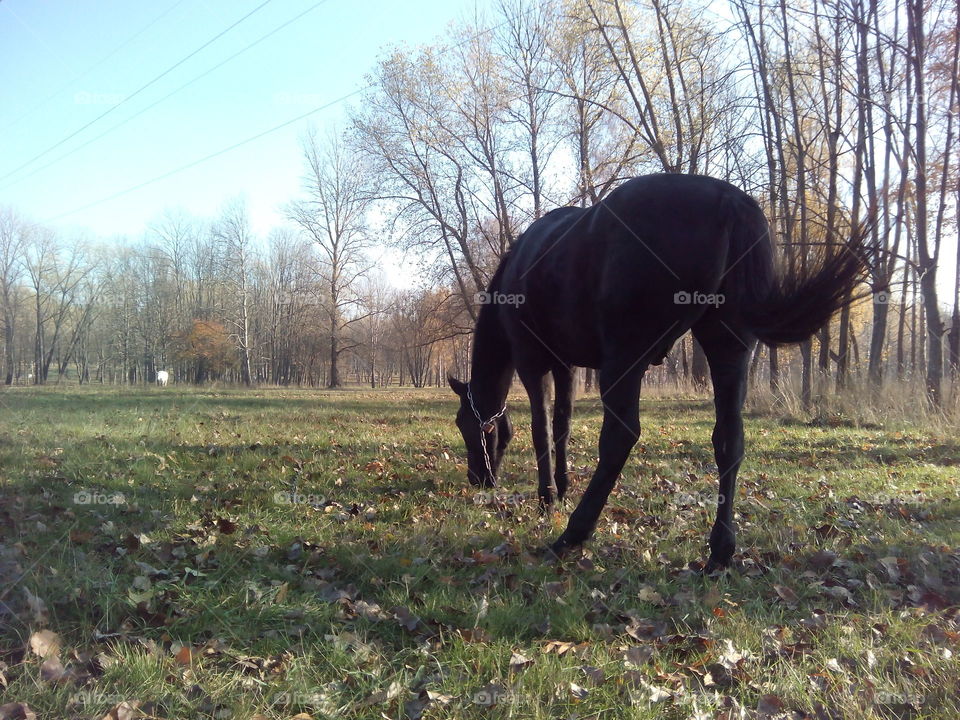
(494, 283)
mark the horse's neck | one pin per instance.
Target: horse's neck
(491, 369)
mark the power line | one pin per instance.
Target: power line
(165, 97)
(212, 155)
(93, 67)
(138, 91)
(255, 137)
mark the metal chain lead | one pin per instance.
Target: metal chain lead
(483, 433)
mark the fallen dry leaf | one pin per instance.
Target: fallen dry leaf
(127, 710)
(53, 671)
(817, 621)
(394, 690)
(17, 711)
(558, 647)
(788, 596)
(822, 559)
(518, 661)
(474, 635)
(45, 643)
(408, 621)
(594, 674)
(834, 666)
(648, 595)
(769, 705)
(892, 566)
(555, 589)
(37, 607)
(638, 655)
(183, 656)
(653, 693)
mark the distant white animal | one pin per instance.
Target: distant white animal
(162, 377)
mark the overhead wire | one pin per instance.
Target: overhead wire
(137, 91)
(152, 105)
(93, 67)
(257, 136)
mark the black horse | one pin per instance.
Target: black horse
(612, 287)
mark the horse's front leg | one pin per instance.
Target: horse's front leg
(535, 383)
(562, 410)
(620, 394)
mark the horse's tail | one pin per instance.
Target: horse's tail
(787, 305)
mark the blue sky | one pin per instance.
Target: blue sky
(64, 62)
(91, 55)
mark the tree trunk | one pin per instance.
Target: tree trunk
(926, 260)
(878, 335)
(954, 338)
(698, 366)
(334, 378)
(8, 339)
(843, 349)
(774, 370)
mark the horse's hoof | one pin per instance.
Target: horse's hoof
(715, 567)
(563, 548)
(546, 554)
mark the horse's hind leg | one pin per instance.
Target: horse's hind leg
(728, 354)
(562, 410)
(620, 394)
(535, 384)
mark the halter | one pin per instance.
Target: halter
(486, 427)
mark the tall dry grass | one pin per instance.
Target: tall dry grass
(896, 402)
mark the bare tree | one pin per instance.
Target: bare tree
(604, 147)
(379, 301)
(927, 253)
(333, 214)
(13, 242)
(232, 231)
(524, 43)
(55, 273)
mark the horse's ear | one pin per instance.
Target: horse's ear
(460, 388)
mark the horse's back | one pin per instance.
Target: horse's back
(667, 226)
(619, 270)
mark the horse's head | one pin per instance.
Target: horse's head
(486, 437)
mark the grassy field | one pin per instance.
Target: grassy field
(219, 553)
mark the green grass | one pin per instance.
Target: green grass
(227, 553)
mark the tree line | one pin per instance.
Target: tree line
(838, 116)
